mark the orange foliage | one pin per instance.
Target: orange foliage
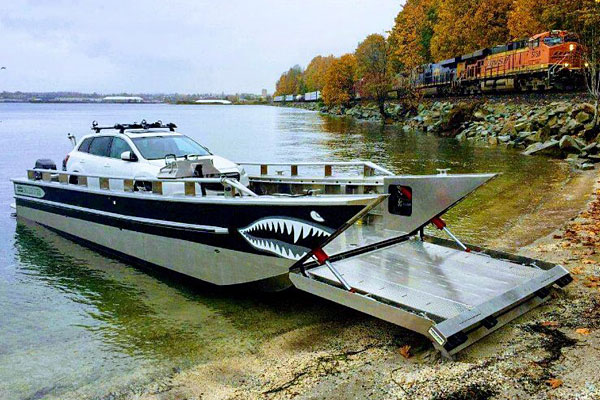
(411, 36)
(339, 81)
(314, 76)
(467, 25)
(290, 82)
(525, 19)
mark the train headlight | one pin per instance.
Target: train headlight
(588, 64)
(571, 47)
(566, 65)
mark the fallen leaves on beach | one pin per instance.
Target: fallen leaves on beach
(555, 382)
(405, 351)
(577, 270)
(550, 323)
(582, 331)
(592, 282)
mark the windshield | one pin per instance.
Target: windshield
(157, 147)
(553, 40)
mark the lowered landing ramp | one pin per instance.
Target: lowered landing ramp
(451, 296)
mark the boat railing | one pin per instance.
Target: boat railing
(155, 185)
(369, 168)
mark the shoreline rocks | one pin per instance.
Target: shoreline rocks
(562, 128)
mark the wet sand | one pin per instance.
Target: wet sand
(543, 354)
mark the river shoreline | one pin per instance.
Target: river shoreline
(555, 125)
(545, 353)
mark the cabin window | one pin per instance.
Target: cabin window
(117, 147)
(85, 145)
(100, 146)
(552, 41)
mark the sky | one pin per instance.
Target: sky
(160, 46)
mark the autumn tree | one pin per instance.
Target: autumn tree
(290, 82)
(467, 25)
(339, 81)
(374, 70)
(529, 17)
(587, 26)
(410, 39)
(525, 19)
(314, 75)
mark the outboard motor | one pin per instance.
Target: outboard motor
(43, 163)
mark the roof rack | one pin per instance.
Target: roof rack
(142, 125)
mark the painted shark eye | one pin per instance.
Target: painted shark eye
(315, 215)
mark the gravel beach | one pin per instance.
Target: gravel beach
(552, 352)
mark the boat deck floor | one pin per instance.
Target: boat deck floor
(439, 281)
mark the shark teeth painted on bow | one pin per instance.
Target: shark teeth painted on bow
(286, 234)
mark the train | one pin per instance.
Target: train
(550, 60)
(310, 96)
(546, 61)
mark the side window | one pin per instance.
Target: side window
(100, 146)
(85, 145)
(117, 147)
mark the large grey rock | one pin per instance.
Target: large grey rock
(568, 143)
(504, 138)
(549, 147)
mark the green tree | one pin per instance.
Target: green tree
(374, 70)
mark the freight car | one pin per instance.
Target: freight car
(549, 60)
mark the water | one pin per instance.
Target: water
(76, 324)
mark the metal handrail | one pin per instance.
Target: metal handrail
(46, 175)
(368, 164)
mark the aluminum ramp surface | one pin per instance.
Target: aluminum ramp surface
(449, 295)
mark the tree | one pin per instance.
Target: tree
(525, 19)
(290, 82)
(374, 70)
(529, 17)
(587, 26)
(339, 81)
(410, 39)
(314, 76)
(467, 25)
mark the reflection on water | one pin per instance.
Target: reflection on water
(74, 323)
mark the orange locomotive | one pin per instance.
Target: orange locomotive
(549, 60)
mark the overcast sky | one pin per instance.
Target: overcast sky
(175, 46)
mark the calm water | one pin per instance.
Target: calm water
(77, 324)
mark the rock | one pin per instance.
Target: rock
(582, 117)
(594, 158)
(493, 140)
(522, 126)
(461, 136)
(585, 166)
(590, 148)
(549, 147)
(571, 127)
(568, 143)
(504, 138)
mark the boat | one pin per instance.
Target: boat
(350, 232)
